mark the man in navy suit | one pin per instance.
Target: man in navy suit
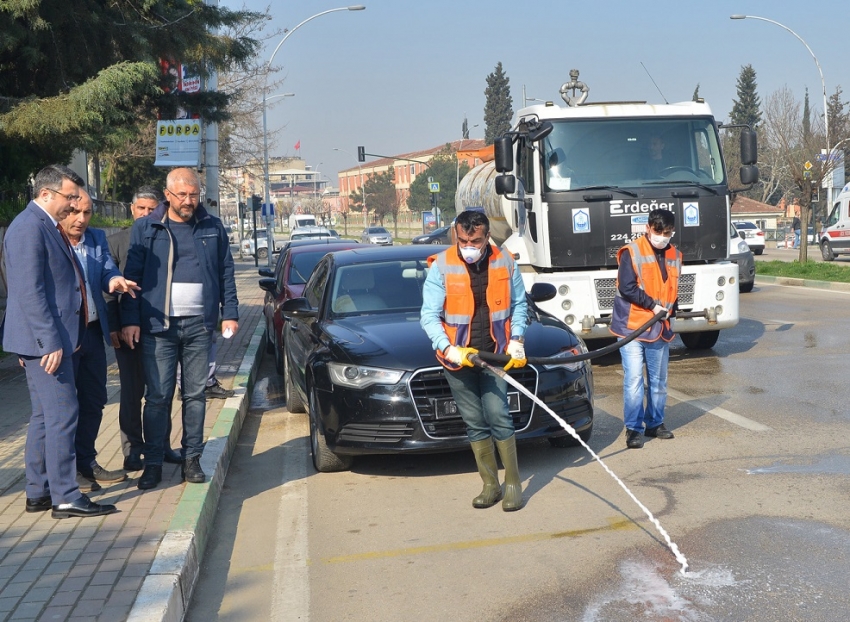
(92, 251)
(43, 326)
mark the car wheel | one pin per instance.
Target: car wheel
(568, 441)
(437, 241)
(324, 460)
(269, 340)
(293, 400)
(758, 251)
(826, 251)
(745, 288)
(263, 253)
(700, 341)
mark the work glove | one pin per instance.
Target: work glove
(516, 351)
(460, 356)
(657, 309)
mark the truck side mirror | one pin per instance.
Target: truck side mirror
(504, 157)
(505, 184)
(749, 174)
(749, 147)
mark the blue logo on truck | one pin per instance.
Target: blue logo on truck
(581, 221)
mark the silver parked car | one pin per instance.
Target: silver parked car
(376, 235)
(740, 253)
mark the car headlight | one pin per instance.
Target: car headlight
(571, 366)
(360, 376)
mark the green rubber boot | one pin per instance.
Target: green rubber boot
(485, 458)
(513, 484)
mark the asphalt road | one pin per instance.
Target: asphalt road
(753, 491)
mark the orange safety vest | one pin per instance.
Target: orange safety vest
(627, 316)
(459, 306)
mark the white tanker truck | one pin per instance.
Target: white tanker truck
(571, 185)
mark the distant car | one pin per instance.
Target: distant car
(443, 235)
(741, 254)
(753, 236)
(357, 360)
(301, 233)
(247, 245)
(296, 262)
(334, 233)
(376, 235)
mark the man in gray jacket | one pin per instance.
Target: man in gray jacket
(180, 256)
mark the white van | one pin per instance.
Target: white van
(301, 220)
(835, 238)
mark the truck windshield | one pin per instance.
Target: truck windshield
(631, 153)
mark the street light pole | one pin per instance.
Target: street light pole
(267, 190)
(358, 7)
(822, 82)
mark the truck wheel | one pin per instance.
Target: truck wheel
(826, 251)
(700, 341)
(568, 441)
(263, 253)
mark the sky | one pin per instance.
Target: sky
(401, 75)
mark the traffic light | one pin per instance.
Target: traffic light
(256, 202)
(242, 209)
(361, 154)
(434, 199)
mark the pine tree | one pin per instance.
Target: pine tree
(498, 109)
(807, 117)
(747, 108)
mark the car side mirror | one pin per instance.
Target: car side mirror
(268, 284)
(266, 272)
(298, 307)
(541, 292)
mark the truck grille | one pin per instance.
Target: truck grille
(429, 385)
(606, 289)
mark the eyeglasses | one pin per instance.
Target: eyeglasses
(73, 198)
(182, 196)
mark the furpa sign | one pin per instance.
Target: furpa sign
(178, 143)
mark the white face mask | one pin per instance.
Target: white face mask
(659, 241)
(470, 254)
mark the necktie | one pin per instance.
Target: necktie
(82, 281)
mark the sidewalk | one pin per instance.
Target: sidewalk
(141, 563)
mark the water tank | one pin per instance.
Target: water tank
(477, 189)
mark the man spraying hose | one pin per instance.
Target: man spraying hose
(474, 299)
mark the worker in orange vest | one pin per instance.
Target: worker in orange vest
(474, 299)
(647, 284)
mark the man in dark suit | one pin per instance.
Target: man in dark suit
(99, 270)
(44, 324)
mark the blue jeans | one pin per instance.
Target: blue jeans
(482, 399)
(654, 356)
(796, 238)
(188, 342)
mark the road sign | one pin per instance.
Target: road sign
(434, 186)
(268, 209)
(807, 165)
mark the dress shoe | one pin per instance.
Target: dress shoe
(82, 508)
(133, 462)
(633, 439)
(217, 391)
(151, 476)
(192, 471)
(659, 432)
(42, 504)
(172, 456)
(86, 484)
(101, 475)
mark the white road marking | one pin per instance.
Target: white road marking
(291, 599)
(717, 411)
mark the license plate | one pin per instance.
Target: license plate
(446, 408)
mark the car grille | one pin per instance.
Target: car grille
(375, 432)
(429, 385)
(606, 289)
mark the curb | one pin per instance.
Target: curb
(167, 589)
(796, 282)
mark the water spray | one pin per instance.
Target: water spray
(478, 359)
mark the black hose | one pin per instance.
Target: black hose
(558, 360)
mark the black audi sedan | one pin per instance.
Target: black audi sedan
(358, 361)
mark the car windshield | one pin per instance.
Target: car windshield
(378, 230)
(380, 287)
(302, 265)
(636, 152)
(745, 225)
(306, 236)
